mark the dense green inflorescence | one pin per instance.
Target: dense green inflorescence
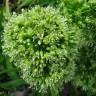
(42, 46)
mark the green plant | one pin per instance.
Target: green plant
(73, 9)
(83, 14)
(42, 46)
(86, 58)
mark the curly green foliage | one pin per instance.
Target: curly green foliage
(73, 9)
(83, 14)
(42, 46)
(86, 74)
(87, 55)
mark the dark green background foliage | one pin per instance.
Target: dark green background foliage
(9, 80)
(88, 50)
(83, 14)
(40, 43)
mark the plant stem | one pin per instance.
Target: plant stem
(7, 8)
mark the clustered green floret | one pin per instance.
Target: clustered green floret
(42, 46)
